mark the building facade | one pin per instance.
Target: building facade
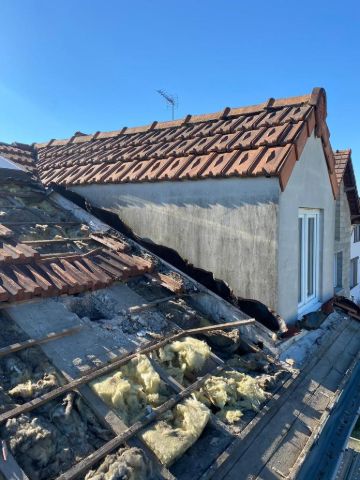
(247, 193)
(347, 233)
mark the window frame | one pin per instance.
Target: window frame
(356, 234)
(304, 298)
(354, 261)
(338, 274)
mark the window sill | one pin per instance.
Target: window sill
(309, 307)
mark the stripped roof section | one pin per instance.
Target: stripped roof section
(21, 154)
(46, 251)
(260, 140)
(345, 173)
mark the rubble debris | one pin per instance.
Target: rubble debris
(183, 357)
(125, 464)
(313, 320)
(301, 349)
(179, 429)
(250, 362)
(131, 389)
(226, 342)
(232, 392)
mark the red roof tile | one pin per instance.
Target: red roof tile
(264, 139)
(26, 271)
(22, 155)
(345, 173)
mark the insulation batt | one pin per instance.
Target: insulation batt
(184, 356)
(28, 374)
(125, 464)
(178, 431)
(233, 392)
(130, 389)
(61, 434)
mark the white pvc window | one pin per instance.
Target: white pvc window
(308, 261)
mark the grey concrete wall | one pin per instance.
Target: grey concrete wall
(343, 238)
(308, 187)
(243, 230)
(226, 226)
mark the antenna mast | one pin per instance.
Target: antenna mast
(171, 101)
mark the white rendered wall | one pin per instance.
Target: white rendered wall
(308, 187)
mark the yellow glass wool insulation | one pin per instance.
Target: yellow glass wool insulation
(180, 429)
(233, 392)
(130, 389)
(184, 356)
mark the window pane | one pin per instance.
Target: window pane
(300, 273)
(311, 251)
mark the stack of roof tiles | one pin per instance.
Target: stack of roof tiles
(261, 140)
(25, 272)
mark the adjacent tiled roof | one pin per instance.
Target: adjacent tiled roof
(345, 172)
(260, 140)
(22, 155)
(46, 251)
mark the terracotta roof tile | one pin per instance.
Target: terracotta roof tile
(22, 155)
(344, 171)
(183, 149)
(27, 269)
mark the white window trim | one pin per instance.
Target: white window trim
(312, 302)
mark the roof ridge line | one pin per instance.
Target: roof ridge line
(311, 99)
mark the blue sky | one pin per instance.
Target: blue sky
(89, 65)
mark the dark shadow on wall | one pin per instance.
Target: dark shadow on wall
(253, 308)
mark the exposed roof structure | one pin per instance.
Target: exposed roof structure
(112, 301)
(260, 140)
(46, 251)
(345, 173)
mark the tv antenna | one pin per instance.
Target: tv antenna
(171, 101)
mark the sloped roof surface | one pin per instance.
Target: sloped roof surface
(46, 251)
(260, 140)
(22, 155)
(341, 159)
(345, 172)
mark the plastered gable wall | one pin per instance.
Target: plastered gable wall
(308, 187)
(226, 226)
(343, 237)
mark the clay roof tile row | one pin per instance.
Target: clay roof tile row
(264, 139)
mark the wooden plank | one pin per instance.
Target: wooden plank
(41, 222)
(56, 240)
(113, 364)
(16, 347)
(82, 467)
(350, 311)
(113, 244)
(155, 303)
(69, 255)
